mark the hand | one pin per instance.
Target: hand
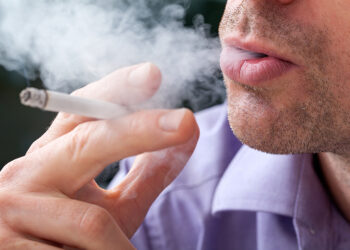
(48, 198)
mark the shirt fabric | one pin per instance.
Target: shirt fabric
(230, 196)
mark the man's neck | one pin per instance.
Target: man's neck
(336, 172)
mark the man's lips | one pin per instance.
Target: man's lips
(250, 67)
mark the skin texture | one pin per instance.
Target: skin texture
(305, 110)
(49, 199)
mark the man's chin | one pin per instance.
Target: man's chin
(255, 141)
(266, 123)
(259, 143)
(269, 135)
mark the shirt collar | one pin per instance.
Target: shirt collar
(281, 184)
(256, 181)
(215, 149)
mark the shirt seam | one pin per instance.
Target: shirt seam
(332, 235)
(296, 206)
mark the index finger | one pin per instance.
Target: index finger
(71, 161)
(127, 86)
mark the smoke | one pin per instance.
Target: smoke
(71, 43)
(237, 54)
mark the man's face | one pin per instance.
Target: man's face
(298, 104)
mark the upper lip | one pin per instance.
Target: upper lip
(256, 46)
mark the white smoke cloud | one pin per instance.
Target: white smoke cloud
(74, 42)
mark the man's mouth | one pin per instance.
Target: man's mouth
(251, 67)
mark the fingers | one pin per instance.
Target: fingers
(11, 240)
(20, 244)
(67, 222)
(150, 174)
(74, 159)
(128, 86)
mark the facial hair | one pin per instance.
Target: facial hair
(313, 118)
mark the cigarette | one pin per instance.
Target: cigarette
(60, 102)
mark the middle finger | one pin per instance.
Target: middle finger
(71, 161)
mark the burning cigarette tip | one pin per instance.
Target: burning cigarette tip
(33, 97)
(60, 102)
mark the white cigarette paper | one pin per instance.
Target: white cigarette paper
(60, 102)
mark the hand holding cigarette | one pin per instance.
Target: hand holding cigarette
(48, 197)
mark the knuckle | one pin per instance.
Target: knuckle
(35, 145)
(13, 164)
(79, 141)
(11, 170)
(94, 222)
(137, 124)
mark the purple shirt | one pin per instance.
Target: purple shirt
(230, 196)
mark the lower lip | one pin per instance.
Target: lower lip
(252, 72)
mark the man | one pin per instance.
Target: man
(290, 98)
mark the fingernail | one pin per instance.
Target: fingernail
(171, 121)
(140, 75)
